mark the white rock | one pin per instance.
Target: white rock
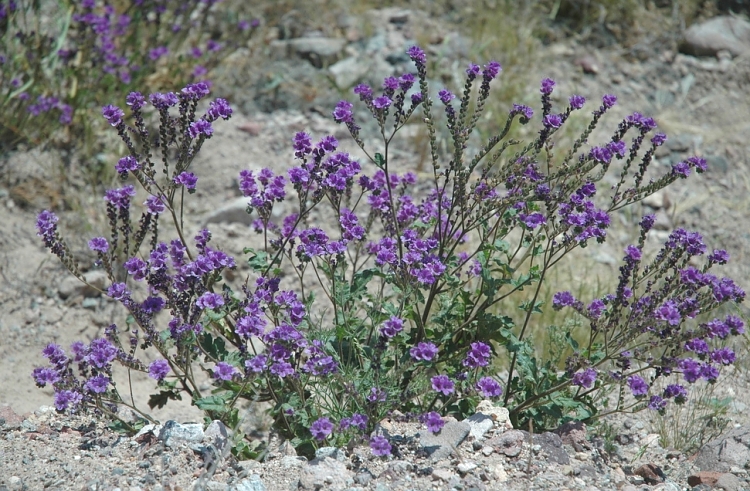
(500, 415)
(466, 467)
(174, 433)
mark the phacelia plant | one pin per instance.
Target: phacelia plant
(61, 61)
(409, 274)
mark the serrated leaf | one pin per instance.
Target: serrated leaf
(216, 403)
(162, 398)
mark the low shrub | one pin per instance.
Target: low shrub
(408, 275)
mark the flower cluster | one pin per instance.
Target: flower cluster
(402, 318)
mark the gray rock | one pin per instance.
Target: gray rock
(252, 483)
(326, 474)
(233, 212)
(509, 443)
(399, 467)
(552, 445)
(320, 52)
(73, 287)
(357, 69)
(466, 467)
(729, 482)
(727, 451)
(363, 477)
(444, 474)
(680, 143)
(718, 34)
(174, 433)
(330, 452)
(499, 414)
(292, 462)
(480, 424)
(441, 445)
(216, 434)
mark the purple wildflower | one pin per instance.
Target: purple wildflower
(724, 356)
(257, 363)
(209, 300)
(424, 351)
(99, 244)
(656, 403)
(44, 376)
(676, 392)
(585, 378)
(67, 399)
(113, 114)
(377, 395)
(321, 428)
(478, 356)
(218, 108)
(379, 446)
(101, 353)
(524, 111)
(224, 371)
(434, 422)
(637, 385)
(417, 56)
(489, 387)
(187, 179)
(200, 127)
(547, 86)
(446, 96)
(491, 70)
(154, 205)
(596, 308)
(392, 326)
(552, 121)
(382, 102)
(282, 369)
(563, 299)
(97, 384)
(343, 112)
(441, 383)
(127, 164)
(576, 101)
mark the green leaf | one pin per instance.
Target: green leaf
(162, 398)
(216, 403)
(380, 160)
(258, 260)
(214, 346)
(123, 429)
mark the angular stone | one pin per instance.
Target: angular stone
(330, 452)
(320, 52)
(8, 418)
(708, 478)
(573, 433)
(466, 467)
(552, 445)
(650, 473)
(326, 474)
(174, 433)
(72, 286)
(720, 33)
(480, 424)
(216, 434)
(252, 483)
(442, 444)
(509, 443)
(444, 474)
(233, 212)
(729, 482)
(499, 414)
(293, 462)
